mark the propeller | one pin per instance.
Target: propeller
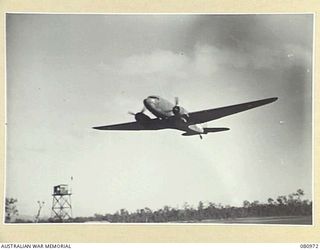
(140, 116)
(176, 108)
(142, 111)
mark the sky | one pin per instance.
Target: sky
(68, 73)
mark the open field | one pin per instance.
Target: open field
(289, 220)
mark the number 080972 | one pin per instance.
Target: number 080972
(309, 246)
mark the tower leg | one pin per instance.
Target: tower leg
(61, 207)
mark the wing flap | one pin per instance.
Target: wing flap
(213, 114)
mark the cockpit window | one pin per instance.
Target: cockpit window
(154, 97)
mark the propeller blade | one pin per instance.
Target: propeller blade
(142, 111)
(176, 101)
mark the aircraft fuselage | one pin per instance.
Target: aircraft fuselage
(163, 109)
(160, 107)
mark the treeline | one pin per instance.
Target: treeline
(291, 205)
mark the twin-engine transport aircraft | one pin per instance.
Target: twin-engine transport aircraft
(173, 116)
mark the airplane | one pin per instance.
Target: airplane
(173, 116)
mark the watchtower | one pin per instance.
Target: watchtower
(61, 203)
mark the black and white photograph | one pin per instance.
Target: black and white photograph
(159, 118)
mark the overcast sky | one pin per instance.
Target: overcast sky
(68, 73)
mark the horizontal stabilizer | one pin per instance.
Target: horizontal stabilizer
(213, 130)
(207, 130)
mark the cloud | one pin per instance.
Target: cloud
(206, 60)
(160, 61)
(223, 42)
(163, 64)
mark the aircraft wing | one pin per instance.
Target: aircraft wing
(153, 124)
(213, 114)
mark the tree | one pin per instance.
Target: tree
(255, 203)
(200, 205)
(291, 198)
(300, 192)
(41, 204)
(98, 217)
(11, 209)
(270, 201)
(148, 213)
(246, 204)
(282, 200)
(200, 210)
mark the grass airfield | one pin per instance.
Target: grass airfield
(286, 220)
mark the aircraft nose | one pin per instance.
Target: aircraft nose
(150, 102)
(146, 102)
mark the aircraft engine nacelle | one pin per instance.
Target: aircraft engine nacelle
(142, 118)
(180, 113)
(176, 110)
